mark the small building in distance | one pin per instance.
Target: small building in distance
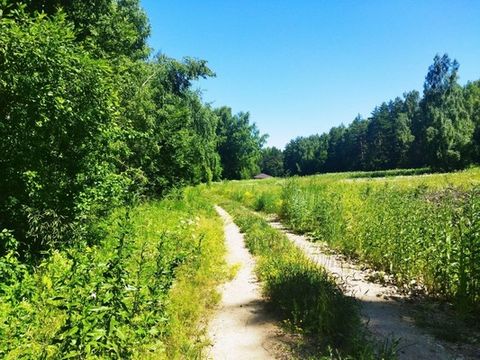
(262, 176)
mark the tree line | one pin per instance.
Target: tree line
(89, 119)
(440, 130)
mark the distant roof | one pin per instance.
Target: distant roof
(262, 176)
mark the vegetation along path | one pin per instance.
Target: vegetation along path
(386, 318)
(242, 328)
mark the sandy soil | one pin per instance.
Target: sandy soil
(385, 317)
(242, 328)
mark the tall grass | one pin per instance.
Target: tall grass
(424, 230)
(124, 298)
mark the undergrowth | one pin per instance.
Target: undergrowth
(123, 298)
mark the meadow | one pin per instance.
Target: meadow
(422, 230)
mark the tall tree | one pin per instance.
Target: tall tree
(336, 149)
(171, 135)
(380, 138)
(355, 146)
(306, 155)
(446, 128)
(272, 161)
(240, 144)
(472, 100)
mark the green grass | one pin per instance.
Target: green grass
(306, 296)
(422, 229)
(142, 293)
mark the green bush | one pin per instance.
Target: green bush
(58, 130)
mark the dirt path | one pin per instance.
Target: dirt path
(242, 328)
(385, 318)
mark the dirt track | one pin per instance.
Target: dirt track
(242, 328)
(385, 318)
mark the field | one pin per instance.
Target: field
(423, 231)
(143, 292)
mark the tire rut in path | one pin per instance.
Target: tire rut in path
(242, 328)
(385, 318)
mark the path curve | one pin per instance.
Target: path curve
(241, 328)
(385, 318)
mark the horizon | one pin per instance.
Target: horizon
(300, 70)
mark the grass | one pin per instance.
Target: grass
(126, 297)
(424, 230)
(144, 290)
(306, 296)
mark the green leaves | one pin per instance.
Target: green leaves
(52, 123)
(447, 127)
(239, 144)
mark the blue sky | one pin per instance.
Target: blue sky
(301, 67)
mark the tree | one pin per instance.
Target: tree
(446, 128)
(380, 138)
(272, 161)
(239, 146)
(59, 131)
(472, 103)
(355, 147)
(306, 155)
(171, 134)
(389, 134)
(106, 28)
(336, 149)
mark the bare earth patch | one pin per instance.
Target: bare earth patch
(243, 328)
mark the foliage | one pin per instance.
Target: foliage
(447, 127)
(239, 144)
(106, 28)
(59, 131)
(116, 300)
(306, 155)
(439, 130)
(171, 134)
(87, 122)
(472, 103)
(272, 162)
(90, 124)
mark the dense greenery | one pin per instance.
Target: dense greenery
(272, 161)
(116, 300)
(423, 230)
(88, 120)
(239, 144)
(91, 126)
(439, 130)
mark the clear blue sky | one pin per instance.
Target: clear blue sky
(301, 67)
